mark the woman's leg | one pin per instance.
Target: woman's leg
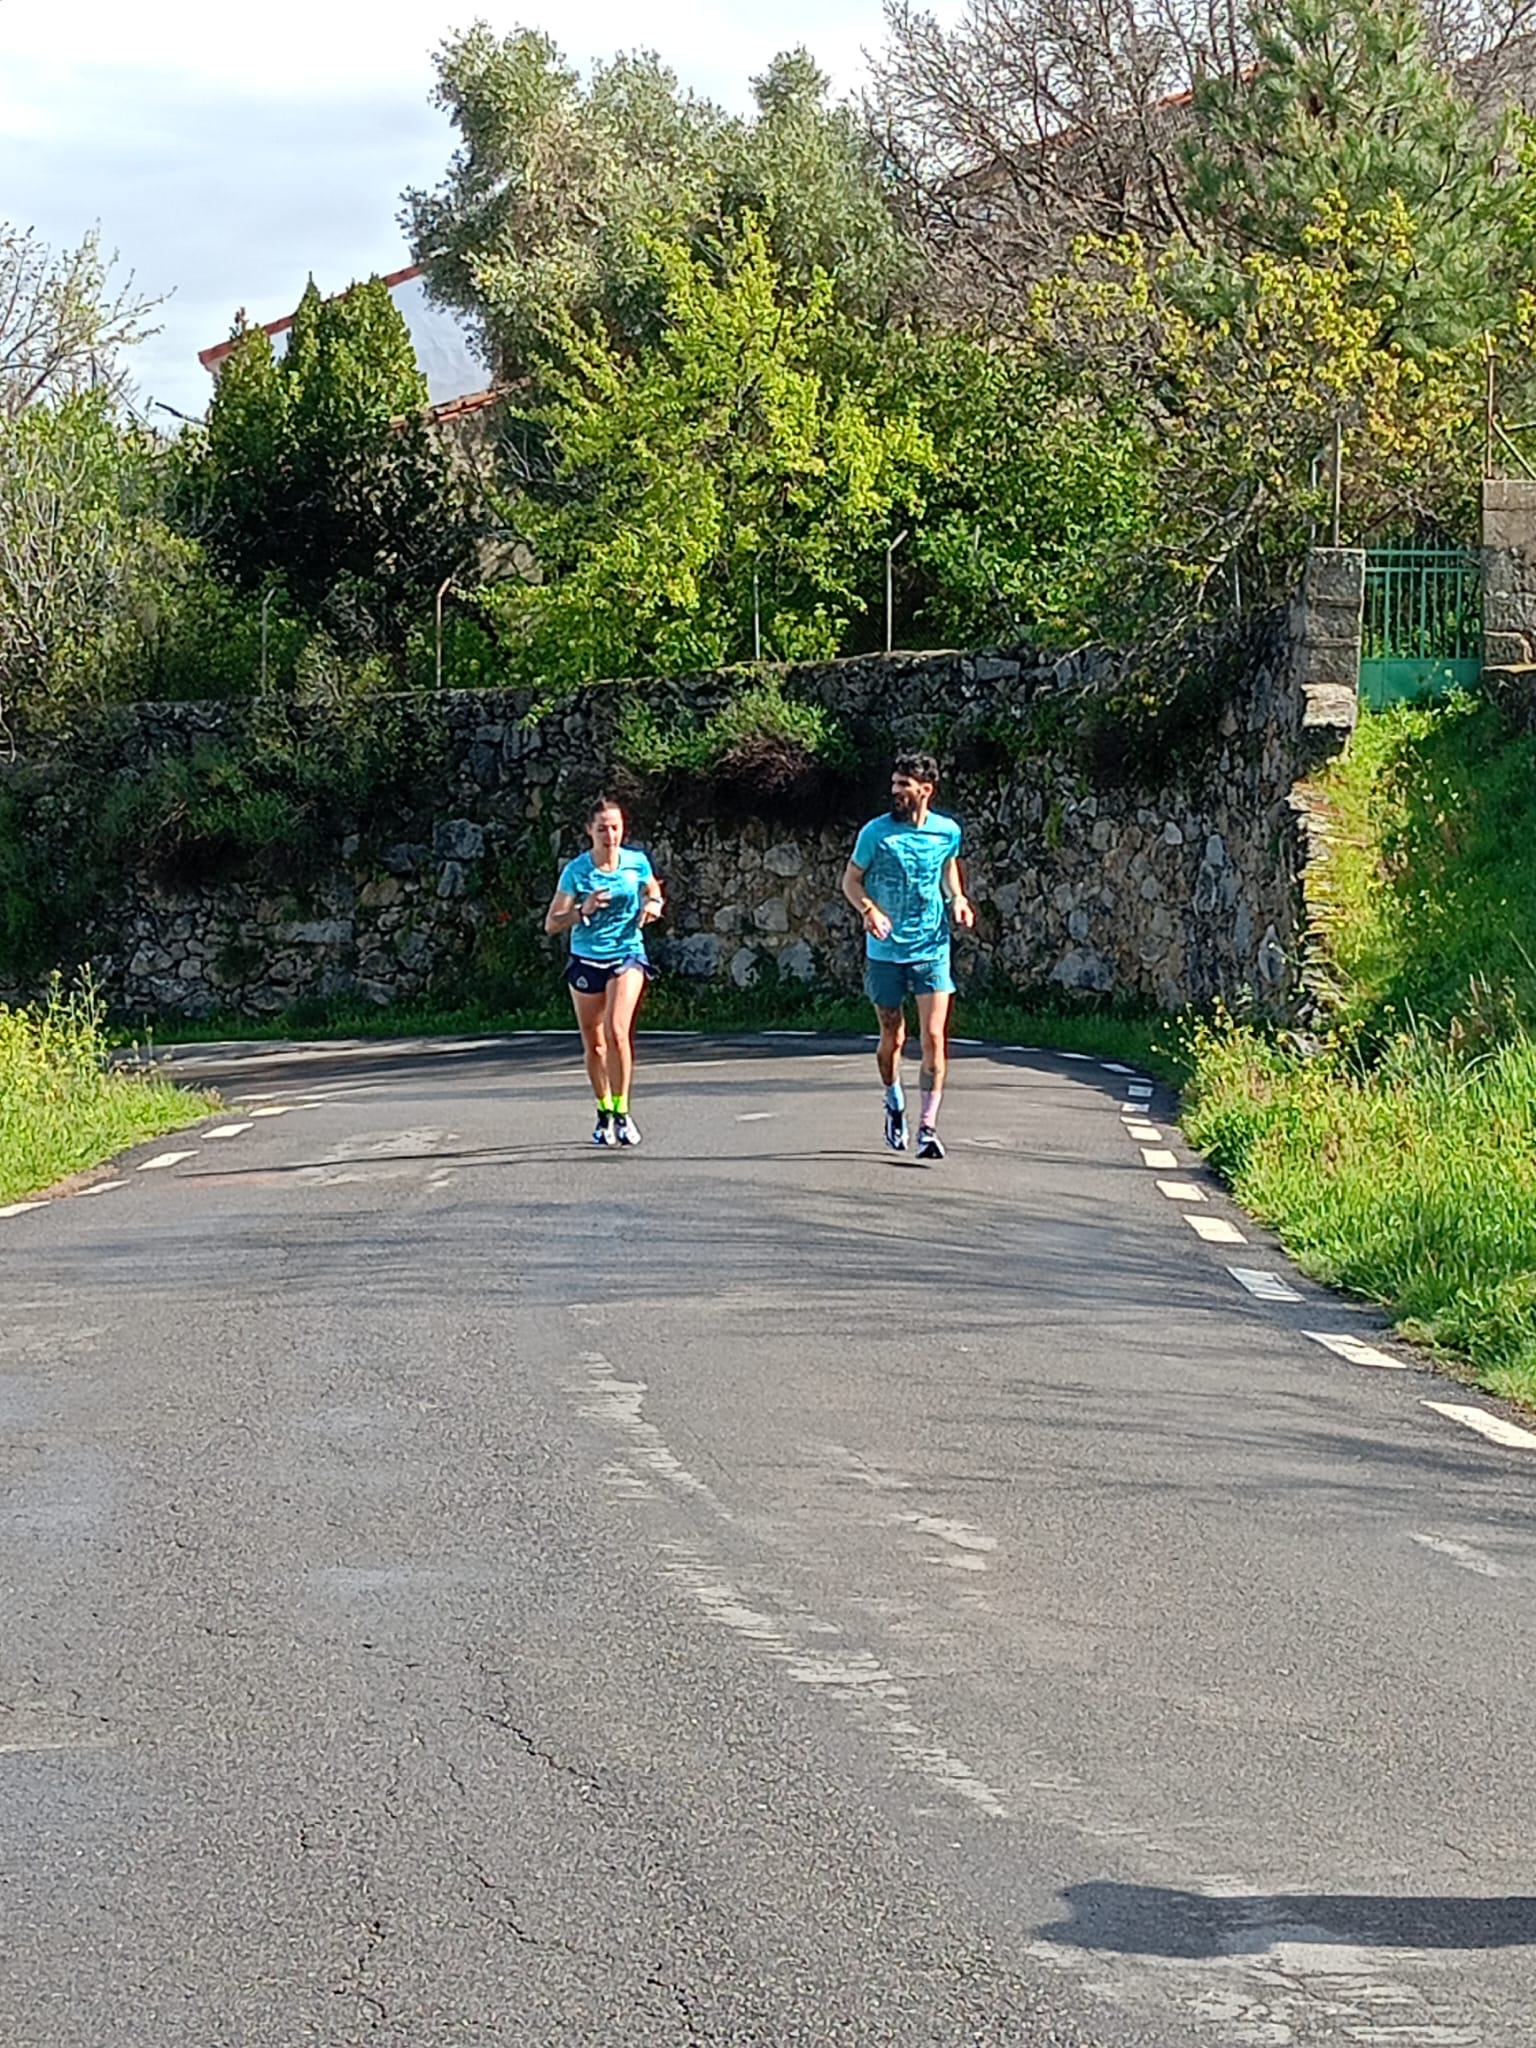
(590, 1012)
(624, 994)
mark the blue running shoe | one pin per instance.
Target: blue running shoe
(896, 1128)
(603, 1133)
(928, 1146)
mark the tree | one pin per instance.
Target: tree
(1346, 97)
(560, 194)
(63, 327)
(318, 468)
(745, 462)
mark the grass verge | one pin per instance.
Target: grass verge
(62, 1108)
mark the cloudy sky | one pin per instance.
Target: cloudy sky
(227, 153)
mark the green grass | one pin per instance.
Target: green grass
(1395, 1155)
(62, 1108)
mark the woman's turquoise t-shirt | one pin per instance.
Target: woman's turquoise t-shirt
(612, 933)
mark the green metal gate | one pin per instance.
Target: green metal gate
(1423, 628)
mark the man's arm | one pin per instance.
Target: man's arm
(871, 916)
(954, 894)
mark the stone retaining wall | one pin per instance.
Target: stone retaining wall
(1171, 894)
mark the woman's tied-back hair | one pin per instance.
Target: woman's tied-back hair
(918, 767)
(603, 803)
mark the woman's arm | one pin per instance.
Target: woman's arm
(652, 901)
(566, 910)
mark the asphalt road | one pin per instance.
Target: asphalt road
(464, 1587)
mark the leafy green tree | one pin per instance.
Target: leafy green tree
(742, 464)
(1347, 98)
(561, 194)
(317, 469)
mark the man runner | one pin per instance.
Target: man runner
(903, 874)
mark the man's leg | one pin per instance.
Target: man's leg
(933, 1023)
(893, 1036)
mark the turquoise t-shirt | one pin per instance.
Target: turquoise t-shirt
(612, 933)
(902, 866)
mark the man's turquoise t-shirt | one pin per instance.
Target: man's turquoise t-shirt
(612, 933)
(902, 866)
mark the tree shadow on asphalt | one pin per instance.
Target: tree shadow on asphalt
(1152, 1920)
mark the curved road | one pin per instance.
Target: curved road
(462, 1587)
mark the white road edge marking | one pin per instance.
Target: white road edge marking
(1181, 1191)
(105, 1187)
(163, 1159)
(1114, 1067)
(1355, 1351)
(1215, 1229)
(759, 1116)
(1152, 1156)
(1077, 1055)
(227, 1131)
(1264, 1286)
(21, 1208)
(1139, 1091)
(1464, 1554)
(273, 1109)
(1144, 1134)
(1494, 1427)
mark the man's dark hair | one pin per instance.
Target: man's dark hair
(603, 803)
(919, 767)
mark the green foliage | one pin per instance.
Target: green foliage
(1347, 98)
(561, 196)
(1412, 1182)
(1430, 874)
(318, 469)
(741, 455)
(760, 754)
(62, 1108)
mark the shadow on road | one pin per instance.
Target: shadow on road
(1149, 1920)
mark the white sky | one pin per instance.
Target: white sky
(229, 152)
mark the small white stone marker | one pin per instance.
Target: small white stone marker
(1181, 1191)
(1152, 1156)
(164, 1159)
(21, 1208)
(227, 1131)
(1215, 1229)
(1494, 1427)
(1265, 1286)
(1355, 1351)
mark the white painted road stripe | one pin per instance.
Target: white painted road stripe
(1356, 1352)
(227, 1131)
(21, 1208)
(1113, 1067)
(1181, 1191)
(757, 1116)
(105, 1187)
(1267, 1286)
(1138, 1091)
(1494, 1427)
(1076, 1055)
(162, 1159)
(273, 1109)
(1463, 1554)
(1153, 1157)
(1215, 1229)
(1145, 1134)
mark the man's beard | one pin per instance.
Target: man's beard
(904, 808)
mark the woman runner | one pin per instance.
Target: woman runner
(604, 899)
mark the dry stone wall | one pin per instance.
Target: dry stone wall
(1096, 884)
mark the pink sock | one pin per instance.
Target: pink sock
(929, 1116)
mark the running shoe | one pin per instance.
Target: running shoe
(896, 1128)
(928, 1146)
(625, 1131)
(603, 1133)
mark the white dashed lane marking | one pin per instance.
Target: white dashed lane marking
(1111, 1067)
(1145, 1134)
(21, 1208)
(1153, 1157)
(273, 1109)
(105, 1187)
(1494, 1427)
(227, 1131)
(1354, 1350)
(1140, 1091)
(164, 1159)
(1215, 1230)
(1464, 1554)
(1181, 1191)
(757, 1116)
(1075, 1055)
(1265, 1286)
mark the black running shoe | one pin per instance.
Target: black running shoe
(928, 1146)
(603, 1131)
(896, 1128)
(625, 1131)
